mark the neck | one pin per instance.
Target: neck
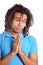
(14, 34)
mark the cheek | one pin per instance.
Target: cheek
(14, 23)
(23, 25)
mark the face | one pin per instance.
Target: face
(19, 22)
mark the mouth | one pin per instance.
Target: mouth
(18, 28)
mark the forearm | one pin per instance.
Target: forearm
(7, 59)
(26, 60)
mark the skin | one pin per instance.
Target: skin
(18, 24)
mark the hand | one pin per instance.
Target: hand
(16, 45)
(20, 45)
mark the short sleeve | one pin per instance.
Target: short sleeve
(34, 47)
(0, 44)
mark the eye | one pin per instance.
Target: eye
(17, 19)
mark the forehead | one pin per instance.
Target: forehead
(17, 14)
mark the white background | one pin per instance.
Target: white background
(36, 7)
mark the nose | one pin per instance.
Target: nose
(20, 23)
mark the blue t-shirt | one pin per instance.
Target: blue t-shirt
(29, 46)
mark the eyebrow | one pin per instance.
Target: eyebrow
(20, 17)
(17, 17)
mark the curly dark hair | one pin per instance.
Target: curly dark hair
(10, 15)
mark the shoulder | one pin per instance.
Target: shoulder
(29, 37)
(32, 38)
(2, 35)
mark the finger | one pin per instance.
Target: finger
(17, 39)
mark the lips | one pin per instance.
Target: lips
(18, 28)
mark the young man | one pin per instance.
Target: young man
(16, 46)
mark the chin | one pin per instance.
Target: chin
(18, 31)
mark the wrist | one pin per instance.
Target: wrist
(13, 53)
(21, 53)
